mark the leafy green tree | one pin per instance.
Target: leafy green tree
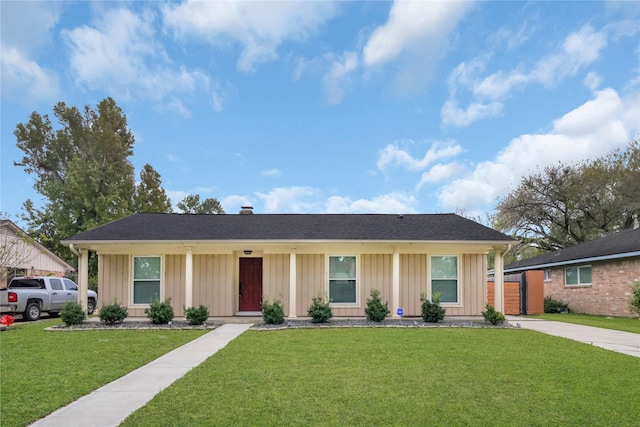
(191, 205)
(81, 169)
(565, 205)
(149, 195)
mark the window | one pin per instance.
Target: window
(56, 284)
(547, 275)
(69, 285)
(146, 279)
(444, 278)
(577, 275)
(342, 280)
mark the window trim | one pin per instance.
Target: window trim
(458, 278)
(578, 268)
(355, 304)
(132, 280)
(545, 271)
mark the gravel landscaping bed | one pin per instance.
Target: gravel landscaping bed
(387, 323)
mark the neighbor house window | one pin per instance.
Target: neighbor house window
(146, 279)
(547, 275)
(444, 278)
(577, 275)
(342, 280)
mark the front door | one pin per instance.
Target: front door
(250, 284)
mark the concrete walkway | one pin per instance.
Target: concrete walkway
(622, 342)
(109, 405)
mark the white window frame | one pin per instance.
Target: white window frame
(356, 278)
(133, 279)
(547, 274)
(458, 278)
(578, 268)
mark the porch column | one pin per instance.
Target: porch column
(188, 282)
(498, 277)
(83, 278)
(395, 284)
(292, 284)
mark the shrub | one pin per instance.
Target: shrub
(376, 311)
(72, 314)
(634, 301)
(160, 312)
(272, 314)
(555, 306)
(113, 313)
(320, 310)
(197, 315)
(431, 310)
(492, 316)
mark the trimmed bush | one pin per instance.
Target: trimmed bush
(320, 310)
(376, 311)
(634, 301)
(72, 314)
(492, 316)
(272, 314)
(113, 313)
(197, 315)
(432, 312)
(160, 312)
(555, 306)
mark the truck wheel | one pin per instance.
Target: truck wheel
(32, 312)
(91, 306)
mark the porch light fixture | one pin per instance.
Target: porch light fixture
(248, 251)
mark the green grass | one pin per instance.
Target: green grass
(617, 323)
(41, 371)
(402, 377)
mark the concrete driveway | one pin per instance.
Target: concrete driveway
(622, 342)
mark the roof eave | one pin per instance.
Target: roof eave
(574, 261)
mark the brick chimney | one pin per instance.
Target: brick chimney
(246, 210)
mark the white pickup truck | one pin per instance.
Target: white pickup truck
(31, 296)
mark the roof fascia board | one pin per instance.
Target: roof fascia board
(30, 240)
(575, 261)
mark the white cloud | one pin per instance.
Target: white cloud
(387, 203)
(592, 80)
(456, 116)
(288, 200)
(25, 80)
(178, 107)
(274, 173)
(578, 50)
(600, 125)
(25, 30)
(393, 155)
(259, 27)
(440, 172)
(337, 80)
(232, 204)
(413, 26)
(120, 54)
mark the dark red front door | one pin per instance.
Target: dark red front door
(250, 284)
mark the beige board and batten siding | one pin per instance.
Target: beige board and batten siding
(213, 283)
(414, 278)
(173, 287)
(310, 280)
(114, 276)
(275, 279)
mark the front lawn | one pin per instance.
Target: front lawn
(41, 371)
(616, 323)
(402, 377)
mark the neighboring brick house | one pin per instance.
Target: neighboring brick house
(592, 277)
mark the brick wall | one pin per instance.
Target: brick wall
(608, 293)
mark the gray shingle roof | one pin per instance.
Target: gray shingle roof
(371, 227)
(619, 245)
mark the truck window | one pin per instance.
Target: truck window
(69, 285)
(56, 284)
(27, 283)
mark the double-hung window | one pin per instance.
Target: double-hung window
(577, 275)
(146, 279)
(444, 278)
(343, 279)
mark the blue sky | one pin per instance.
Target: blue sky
(332, 107)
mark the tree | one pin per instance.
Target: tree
(565, 205)
(191, 205)
(149, 195)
